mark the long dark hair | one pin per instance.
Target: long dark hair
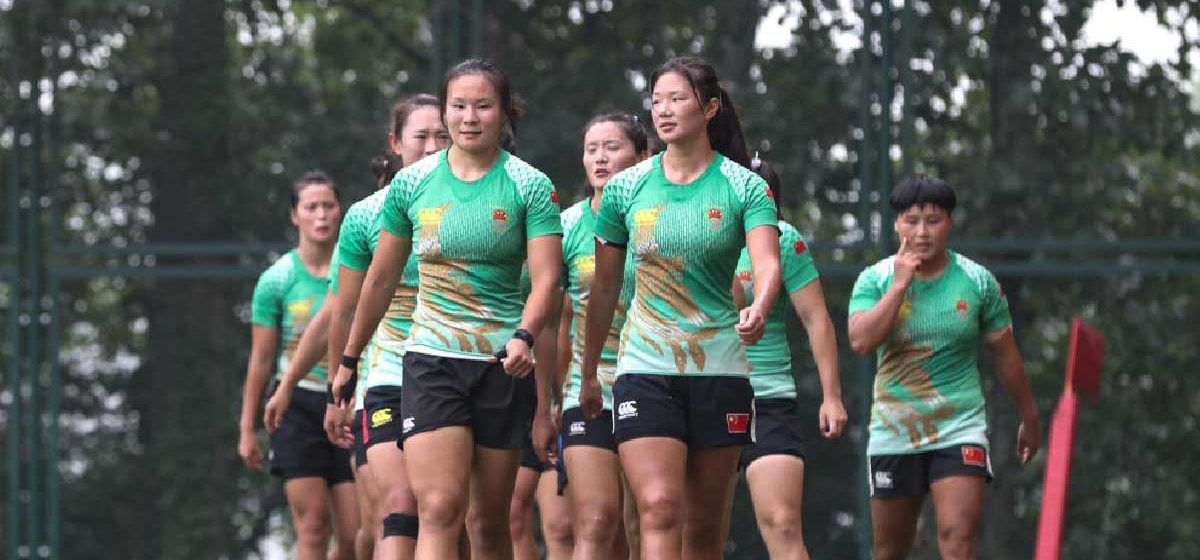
(630, 126)
(725, 129)
(768, 173)
(510, 102)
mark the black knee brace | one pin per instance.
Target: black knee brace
(400, 525)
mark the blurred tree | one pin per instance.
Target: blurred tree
(185, 120)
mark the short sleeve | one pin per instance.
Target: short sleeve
(866, 292)
(614, 204)
(266, 306)
(759, 207)
(393, 217)
(995, 314)
(798, 267)
(354, 248)
(542, 214)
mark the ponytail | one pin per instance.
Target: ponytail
(725, 131)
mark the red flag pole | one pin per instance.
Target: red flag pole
(1084, 357)
(1058, 476)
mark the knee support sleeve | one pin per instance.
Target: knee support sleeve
(400, 525)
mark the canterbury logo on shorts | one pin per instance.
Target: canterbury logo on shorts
(409, 424)
(577, 429)
(381, 417)
(738, 423)
(883, 480)
(627, 409)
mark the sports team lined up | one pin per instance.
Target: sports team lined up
(646, 320)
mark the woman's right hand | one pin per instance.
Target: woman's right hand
(250, 451)
(337, 422)
(277, 405)
(339, 383)
(591, 400)
(905, 266)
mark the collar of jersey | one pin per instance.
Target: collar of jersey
(465, 191)
(684, 191)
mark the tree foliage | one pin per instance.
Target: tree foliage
(185, 120)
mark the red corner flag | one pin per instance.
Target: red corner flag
(1084, 358)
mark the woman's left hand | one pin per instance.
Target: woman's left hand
(751, 325)
(516, 359)
(833, 418)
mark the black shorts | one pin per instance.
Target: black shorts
(359, 428)
(577, 430)
(529, 458)
(440, 392)
(909, 476)
(300, 448)
(382, 405)
(776, 431)
(699, 410)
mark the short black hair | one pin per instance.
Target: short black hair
(920, 190)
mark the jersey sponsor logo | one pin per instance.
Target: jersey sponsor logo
(738, 423)
(770, 193)
(499, 220)
(381, 417)
(883, 479)
(627, 409)
(799, 247)
(430, 216)
(408, 424)
(554, 196)
(974, 456)
(577, 429)
(300, 309)
(429, 223)
(586, 264)
(961, 308)
(744, 276)
(715, 216)
(645, 217)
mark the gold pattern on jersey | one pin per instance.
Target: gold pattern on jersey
(438, 275)
(658, 277)
(910, 384)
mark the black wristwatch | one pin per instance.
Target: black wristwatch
(350, 362)
(525, 336)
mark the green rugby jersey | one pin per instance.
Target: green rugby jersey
(685, 241)
(470, 241)
(771, 358)
(356, 245)
(285, 299)
(579, 266)
(927, 393)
